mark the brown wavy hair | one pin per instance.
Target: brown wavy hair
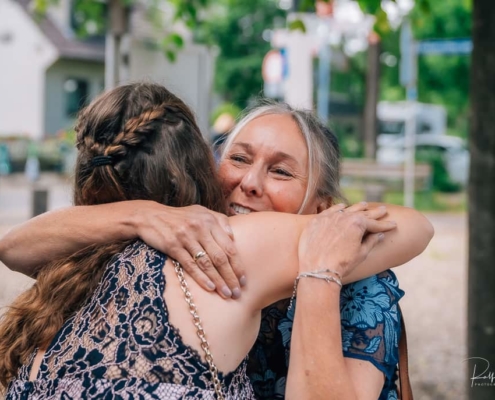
(157, 153)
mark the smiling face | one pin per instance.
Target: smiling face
(267, 168)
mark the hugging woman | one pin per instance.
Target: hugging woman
(138, 143)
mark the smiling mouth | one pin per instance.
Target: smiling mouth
(237, 209)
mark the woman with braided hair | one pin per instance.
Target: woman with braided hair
(103, 322)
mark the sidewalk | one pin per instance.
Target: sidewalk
(16, 195)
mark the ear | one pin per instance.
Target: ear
(323, 205)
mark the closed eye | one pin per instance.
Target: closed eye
(283, 172)
(238, 158)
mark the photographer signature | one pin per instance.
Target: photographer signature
(486, 376)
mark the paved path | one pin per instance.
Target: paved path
(435, 308)
(434, 305)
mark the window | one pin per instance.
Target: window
(75, 95)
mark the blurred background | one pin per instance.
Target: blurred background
(391, 78)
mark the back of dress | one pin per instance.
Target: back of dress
(121, 344)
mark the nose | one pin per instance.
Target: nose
(252, 182)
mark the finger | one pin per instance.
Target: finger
(233, 259)
(370, 241)
(333, 209)
(223, 221)
(362, 206)
(374, 226)
(376, 213)
(185, 260)
(205, 264)
(220, 260)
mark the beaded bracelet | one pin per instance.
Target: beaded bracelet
(317, 275)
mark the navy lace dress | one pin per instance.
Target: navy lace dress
(120, 345)
(370, 331)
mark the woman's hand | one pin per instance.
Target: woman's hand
(185, 232)
(340, 239)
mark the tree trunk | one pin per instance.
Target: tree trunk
(481, 284)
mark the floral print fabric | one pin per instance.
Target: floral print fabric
(370, 331)
(120, 345)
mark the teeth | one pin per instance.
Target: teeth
(240, 210)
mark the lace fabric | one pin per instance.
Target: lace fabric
(121, 345)
(370, 332)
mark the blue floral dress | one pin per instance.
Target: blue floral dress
(370, 332)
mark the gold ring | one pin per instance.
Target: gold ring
(198, 255)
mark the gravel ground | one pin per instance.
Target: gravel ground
(435, 305)
(435, 310)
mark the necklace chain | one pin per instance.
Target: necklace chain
(200, 331)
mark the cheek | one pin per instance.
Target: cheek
(230, 177)
(286, 197)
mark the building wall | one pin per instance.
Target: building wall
(24, 55)
(190, 77)
(56, 117)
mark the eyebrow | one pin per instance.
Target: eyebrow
(277, 154)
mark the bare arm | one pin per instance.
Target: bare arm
(318, 369)
(56, 234)
(179, 232)
(399, 246)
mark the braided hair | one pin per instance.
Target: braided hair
(156, 152)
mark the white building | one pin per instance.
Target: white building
(47, 73)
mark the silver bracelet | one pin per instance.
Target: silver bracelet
(329, 271)
(316, 275)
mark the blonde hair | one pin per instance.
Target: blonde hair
(322, 145)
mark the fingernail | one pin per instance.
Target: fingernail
(364, 203)
(230, 232)
(383, 207)
(226, 291)
(243, 280)
(236, 293)
(211, 285)
(380, 236)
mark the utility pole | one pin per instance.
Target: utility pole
(372, 90)
(119, 27)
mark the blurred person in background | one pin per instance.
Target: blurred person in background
(276, 159)
(223, 125)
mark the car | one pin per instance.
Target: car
(452, 151)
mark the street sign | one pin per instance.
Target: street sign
(408, 60)
(445, 47)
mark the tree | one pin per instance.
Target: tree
(241, 30)
(481, 304)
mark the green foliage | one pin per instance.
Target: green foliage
(226, 108)
(440, 179)
(441, 79)
(370, 6)
(237, 30)
(297, 25)
(445, 79)
(91, 18)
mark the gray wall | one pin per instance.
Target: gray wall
(55, 105)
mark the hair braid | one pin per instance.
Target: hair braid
(158, 154)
